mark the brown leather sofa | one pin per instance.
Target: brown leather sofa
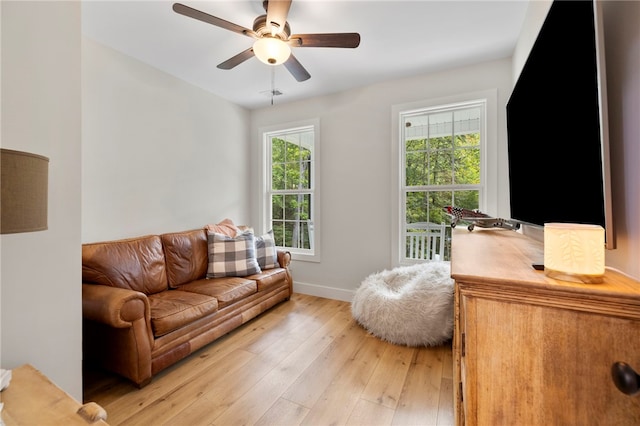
(147, 303)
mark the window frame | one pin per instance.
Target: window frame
(265, 208)
(488, 160)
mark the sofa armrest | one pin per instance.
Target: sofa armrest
(113, 306)
(284, 258)
(117, 333)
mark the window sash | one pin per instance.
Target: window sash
(294, 227)
(428, 142)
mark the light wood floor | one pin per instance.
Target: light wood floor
(305, 361)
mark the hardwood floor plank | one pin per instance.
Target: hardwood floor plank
(98, 384)
(310, 385)
(368, 413)
(445, 406)
(447, 360)
(423, 378)
(311, 317)
(284, 413)
(266, 392)
(389, 376)
(304, 361)
(339, 399)
(189, 392)
(220, 396)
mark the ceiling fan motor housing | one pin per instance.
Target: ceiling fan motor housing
(260, 28)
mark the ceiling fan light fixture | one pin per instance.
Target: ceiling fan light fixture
(271, 50)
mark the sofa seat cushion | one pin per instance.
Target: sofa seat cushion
(269, 278)
(186, 256)
(173, 309)
(226, 290)
(135, 264)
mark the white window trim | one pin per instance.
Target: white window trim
(488, 159)
(264, 203)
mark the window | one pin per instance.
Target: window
(441, 164)
(291, 199)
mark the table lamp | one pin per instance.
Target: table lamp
(574, 252)
(23, 199)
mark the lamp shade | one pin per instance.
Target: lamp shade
(25, 184)
(271, 50)
(574, 252)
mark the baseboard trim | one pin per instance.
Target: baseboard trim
(323, 291)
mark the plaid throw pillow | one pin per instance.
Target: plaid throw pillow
(266, 251)
(231, 257)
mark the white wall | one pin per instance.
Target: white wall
(158, 154)
(41, 318)
(356, 197)
(536, 14)
(622, 38)
(622, 46)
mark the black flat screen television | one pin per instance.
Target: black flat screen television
(557, 124)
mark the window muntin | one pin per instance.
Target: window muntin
(440, 166)
(291, 187)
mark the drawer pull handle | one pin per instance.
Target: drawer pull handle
(625, 378)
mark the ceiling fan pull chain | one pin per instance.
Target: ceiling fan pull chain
(273, 83)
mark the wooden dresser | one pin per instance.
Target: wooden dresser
(531, 350)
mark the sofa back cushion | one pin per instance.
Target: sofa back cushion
(186, 256)
(136, 264)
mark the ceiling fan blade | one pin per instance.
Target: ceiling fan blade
(237, 59)
(210, 19)
(277, 11)
(296, 69)
(349, 40)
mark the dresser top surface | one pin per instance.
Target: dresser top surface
(505, 257)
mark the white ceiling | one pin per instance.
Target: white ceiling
(398, 39)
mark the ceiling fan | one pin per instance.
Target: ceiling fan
(273, 38)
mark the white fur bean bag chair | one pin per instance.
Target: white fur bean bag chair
(409, 305)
